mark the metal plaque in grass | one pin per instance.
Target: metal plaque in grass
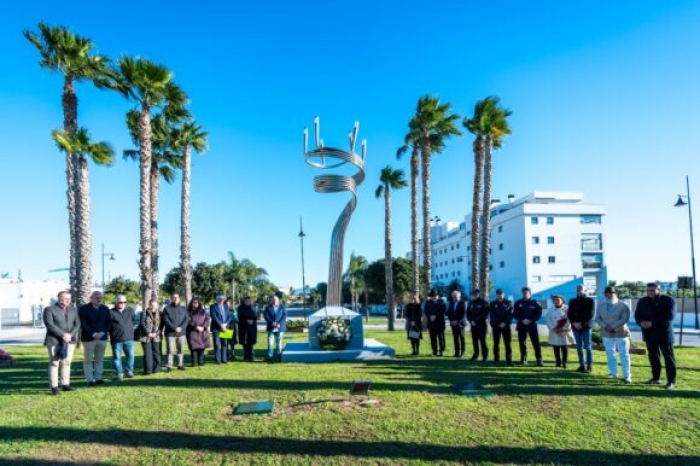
(254, 407)
(472, 390)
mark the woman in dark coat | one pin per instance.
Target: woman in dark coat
(414, 324)
(151, 334)
(197, 331)
(247, 328)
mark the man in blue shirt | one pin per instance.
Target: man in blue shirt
(276, 319)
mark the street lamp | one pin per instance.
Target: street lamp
(302, 235)
(111, 257)
(681, 203)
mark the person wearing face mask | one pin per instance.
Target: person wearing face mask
(560, 335)
(612, 316)
(655, 313)
(434, 310)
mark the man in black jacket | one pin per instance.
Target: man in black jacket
(175, 320)
(121, 335)
(95, 320)
(456, 315)
(527, 312)
(477, 313)
(434, 310)
(62, 327)
(581, 313)
(655, 313)
(501, 315)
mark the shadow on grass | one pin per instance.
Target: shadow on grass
(388, 451)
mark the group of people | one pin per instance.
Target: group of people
(94, 324)
(570, 324)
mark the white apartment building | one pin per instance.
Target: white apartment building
(21, 301)
(549, 241)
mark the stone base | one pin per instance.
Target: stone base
(356, 327)
(370, 350)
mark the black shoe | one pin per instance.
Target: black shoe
(100, 382)
(509, 364)
(67, 388)
(434, 354)
(440, 354)
(581, 369)
(563, 365)
(168, 370)
(129, 375)
(523, 361)
(54, 391)
(670, 386)
(181, 368)
(474, 358)
(589, 370)
(217, 363)
(540, 363)
(90, 384)
(485, 361)
(653, 382)
(557, 364)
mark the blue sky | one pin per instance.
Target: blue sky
(604, 98)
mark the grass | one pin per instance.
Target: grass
(541, 416)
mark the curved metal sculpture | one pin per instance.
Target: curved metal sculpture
(336, 184)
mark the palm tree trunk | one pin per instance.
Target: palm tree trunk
(427, 242)
(83, 233)
(415, 266)
(155, 189)
(145, 204)
(388, 269)
(476, 213)
(185, 267)
(353, 295)
(486, 223)
(70, 125)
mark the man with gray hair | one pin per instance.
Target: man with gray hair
(95, 321)
(121, 335)
(456, 314)
(62, 327)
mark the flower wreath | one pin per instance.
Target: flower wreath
(334, 333)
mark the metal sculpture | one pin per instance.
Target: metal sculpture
(336, 184)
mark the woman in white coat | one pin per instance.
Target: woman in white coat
(612, 316)
(560, 334)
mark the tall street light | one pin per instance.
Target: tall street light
(681, 203)
(111, 257)
(302, 235)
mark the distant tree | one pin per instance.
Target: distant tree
(355, 275)
(321, 290)
(122, 285)
(207, 281)
(455, 285)
(375, 277)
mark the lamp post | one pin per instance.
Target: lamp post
(681, 203)
(302, 235)
(111, 257)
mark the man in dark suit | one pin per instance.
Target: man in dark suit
(175, 321)
(221, 321)
(62, 327)
(456, 315)
(655, 313)
(527, 312)
(95, 321)
(477, 314)
(501, 315)
(434, 310)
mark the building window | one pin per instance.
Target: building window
(552, 259)
(550, 220)
(500, 247)
(502, 264)
(535, 240)
(537, 278)
(550, 239)
(452, 248)
(500, 228)
(592, 261)
(453, 261)
(459, 273)
(535, 259)
(591, 241)
(468, 248)
(490, 266)
(534, 220)
(590, 219)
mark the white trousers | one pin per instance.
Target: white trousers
(94, 359)
(613, 346)
(64, 364)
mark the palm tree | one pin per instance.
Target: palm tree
(187, 137)
(390, 179)
(496, 128)
(72, 56)
(101, 153)
(147, 84)
(434, 124)
(356, 275)
(412, 140)
(242, 272)
(488, 125)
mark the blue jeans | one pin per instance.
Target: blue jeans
(583, 342)
(274, 339)
(220, 347)
(128, 348)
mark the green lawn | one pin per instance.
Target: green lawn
(541, 415)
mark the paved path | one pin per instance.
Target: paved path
(27, 336)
